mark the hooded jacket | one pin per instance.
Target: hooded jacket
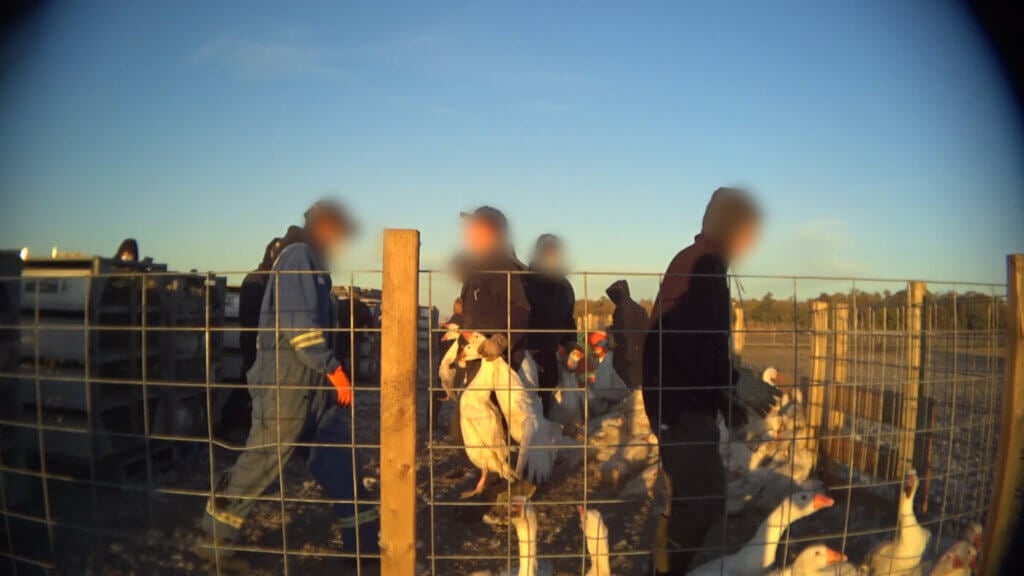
(552, 302)
(687, 367)
(494, 301)
(629, 324)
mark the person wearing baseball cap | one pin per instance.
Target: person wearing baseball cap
(493, 299)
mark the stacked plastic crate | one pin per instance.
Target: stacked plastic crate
(112, 351)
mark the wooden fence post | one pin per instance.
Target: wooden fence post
(819, 363)
(838, 394)
(912, 380)
(1003, 506)
(398, 356)
(739, 326)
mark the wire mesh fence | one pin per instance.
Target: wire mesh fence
(125, 407)
(133, 442)
(886, 384)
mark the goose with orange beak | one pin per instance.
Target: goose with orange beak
(758, 555)
(902, 554)
(812, 561)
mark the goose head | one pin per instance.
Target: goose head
(452, 332)
(959, 557)
(815, 558)
(517, 510)
(595, 534)
(973, 535)
(801, 505)
(471, 350)
(910, 484)
(594, 528)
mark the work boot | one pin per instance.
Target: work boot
(215, 533)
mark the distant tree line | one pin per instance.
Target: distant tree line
(886, 310)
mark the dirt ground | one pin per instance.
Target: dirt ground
(142, 532)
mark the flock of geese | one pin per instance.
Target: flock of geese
(769, 466)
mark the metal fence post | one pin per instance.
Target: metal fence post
(399, 343)
(1003, 505)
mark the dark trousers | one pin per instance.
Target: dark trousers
(547, 368)
(282, 417)
(689, 455)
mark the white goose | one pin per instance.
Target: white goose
(758, 555)
(737, 454)
(902, 555)
(960, 560)
(973, 534)
(482, 432)
(595, 534)
(537, 436)
(812, 561)
(447, 369)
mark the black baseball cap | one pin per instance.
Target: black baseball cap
(490, 215)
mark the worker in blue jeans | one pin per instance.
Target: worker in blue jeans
(290, 400)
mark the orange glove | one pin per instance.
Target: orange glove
(341, 383)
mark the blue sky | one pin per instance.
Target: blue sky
(881, 136)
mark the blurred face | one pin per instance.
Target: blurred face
(743, 240)
(551, 260)
(330, 238)
(480, 238)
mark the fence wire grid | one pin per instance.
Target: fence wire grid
(882, 385)
(123, 405)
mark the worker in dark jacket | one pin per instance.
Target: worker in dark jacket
(552, 301)
(688, 375)
(493, 299)
(629, 326)
(299, 390)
